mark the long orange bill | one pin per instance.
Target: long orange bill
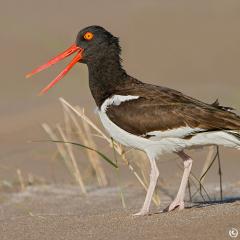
(56, 59)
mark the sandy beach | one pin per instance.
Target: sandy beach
(60, 212)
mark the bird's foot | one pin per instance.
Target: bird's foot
(176, 204)
(142, 212)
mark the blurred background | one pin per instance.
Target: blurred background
(188, 45)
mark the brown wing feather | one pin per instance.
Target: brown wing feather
(160, 108)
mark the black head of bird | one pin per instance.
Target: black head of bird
(94, 45)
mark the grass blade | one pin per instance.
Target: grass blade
(81, 145)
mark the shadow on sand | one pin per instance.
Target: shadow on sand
(201, 204)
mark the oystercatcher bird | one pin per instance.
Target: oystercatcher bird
(151, 118)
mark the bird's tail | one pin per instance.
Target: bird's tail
(236, 135)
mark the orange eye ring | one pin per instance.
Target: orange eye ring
(88, 36)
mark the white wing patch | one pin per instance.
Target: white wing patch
(174, 133)
(116, 100)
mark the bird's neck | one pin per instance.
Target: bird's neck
(106, 75)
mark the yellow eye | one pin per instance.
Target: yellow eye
(88, 36)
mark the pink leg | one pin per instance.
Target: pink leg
(153, 181)
(179, 200)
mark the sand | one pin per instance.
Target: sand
(61, 212)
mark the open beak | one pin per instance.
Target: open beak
(74, 48)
